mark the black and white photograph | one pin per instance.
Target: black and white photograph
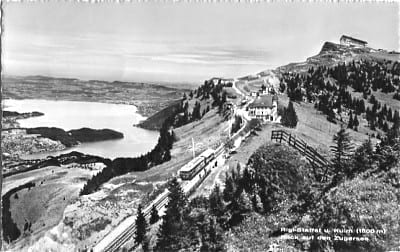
(200, 126)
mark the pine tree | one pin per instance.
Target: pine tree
(141, 226)
(363, 157)
(355, 123)
(393, 134)
(385, 127)
(342, 151)
(239, 206)
(389, 115)
(154, 217)
(350, 124)
(396, 118)
(229, 190)
(331, 115)
(171, 231)
(211, 237)
(289, 117)
(196, 111)
(362, 106)
(216, 203)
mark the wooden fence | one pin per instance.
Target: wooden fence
(311, 154)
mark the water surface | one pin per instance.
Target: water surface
(76, 114)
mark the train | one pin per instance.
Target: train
(191, 169)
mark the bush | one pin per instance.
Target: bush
(360, 203)
(289, 116)
(280, 173)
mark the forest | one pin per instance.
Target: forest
(333, 90)
(161, 152)
(280, 189)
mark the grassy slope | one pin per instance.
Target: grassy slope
(119, 197)
(44, 204)
(155, 121)
(205, 132)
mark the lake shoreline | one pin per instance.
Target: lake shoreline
(99, 123)
(140, 109)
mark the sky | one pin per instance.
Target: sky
(181, 42)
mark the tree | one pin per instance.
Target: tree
(289, 117)
(171, 231)
(331, 115)
(154, 217)
(216, 203)
(350, 124)
(141, 226)
(396, 118)
(230, 188)
(393, 134)
(212, 237)
(279, 174)
(196, 114)
(358, 203)
(355, 123)
(342, 151)
(236, 124)
(363, 157)
(238, 207)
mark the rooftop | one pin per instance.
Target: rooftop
(264, 101)
(354, 39)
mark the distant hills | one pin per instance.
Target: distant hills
(149, 98)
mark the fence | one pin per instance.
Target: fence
(311, 154)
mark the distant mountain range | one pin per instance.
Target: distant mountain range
(149, 98)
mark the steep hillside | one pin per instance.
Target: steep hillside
(192, 105)
(155, 121)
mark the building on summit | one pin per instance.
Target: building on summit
(349, 41)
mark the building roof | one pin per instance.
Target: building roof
(264, 101)
(354, 39)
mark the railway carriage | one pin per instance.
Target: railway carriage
(188, 171)
(208, 155)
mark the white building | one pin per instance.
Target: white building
(264, 108)
(223, 81)
(349, 41)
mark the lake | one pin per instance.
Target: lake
(76, 114)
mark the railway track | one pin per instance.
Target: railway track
(124, 232)
(121, 237)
